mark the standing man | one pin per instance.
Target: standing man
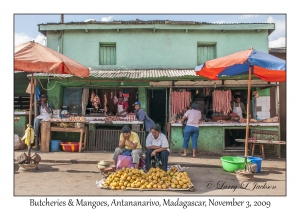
(129, 141)
(238, 108)
(142, 116)
(157, 146)
(191, 129)
(44, 112)
(122, 107)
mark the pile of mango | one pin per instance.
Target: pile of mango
(155, 178)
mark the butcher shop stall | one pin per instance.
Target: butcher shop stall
(220, 129)
(93, 112)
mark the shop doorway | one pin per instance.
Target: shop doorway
(231, 135)
(157, 107)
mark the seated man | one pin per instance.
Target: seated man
(157, 146)
(129, 141)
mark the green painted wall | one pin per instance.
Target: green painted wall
(211, 138)
(55, 95)
(144, 49)
(264, 92)
(20, 125)
(143, 97)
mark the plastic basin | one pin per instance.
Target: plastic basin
(233, 163)
(257, 161)
(54, 145)
(70, 146)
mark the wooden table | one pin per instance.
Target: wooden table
(260, 143)
(46, 129)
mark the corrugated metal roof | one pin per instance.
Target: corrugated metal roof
(137, 21)
(277, 50)
(131, 74)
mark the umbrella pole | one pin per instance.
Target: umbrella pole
(248, 114)
(30, 109)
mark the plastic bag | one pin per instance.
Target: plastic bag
(127, 152)
(28, 90)
(17, 142)
(124, 161)
(142, 163)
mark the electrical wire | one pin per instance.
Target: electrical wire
(45, 88)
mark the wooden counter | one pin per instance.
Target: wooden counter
(47, 128)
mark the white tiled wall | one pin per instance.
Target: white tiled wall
(264, 102)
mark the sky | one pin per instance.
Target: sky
(26, 25)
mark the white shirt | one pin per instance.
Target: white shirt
(161, 141)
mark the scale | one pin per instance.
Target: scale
(64, 112)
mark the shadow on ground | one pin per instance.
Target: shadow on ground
(41, 169)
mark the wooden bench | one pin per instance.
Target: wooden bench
(261, 138)
(46, 130)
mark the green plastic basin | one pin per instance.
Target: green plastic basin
(232, 163)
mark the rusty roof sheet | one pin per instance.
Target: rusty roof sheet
(137, 21)
(131, 74)
(277, 50)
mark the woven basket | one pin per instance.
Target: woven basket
(32, 166)
(243, 175)
(105, 162)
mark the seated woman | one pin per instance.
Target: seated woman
(157, 146)
(129, 141)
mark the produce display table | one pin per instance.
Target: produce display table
(46, 129)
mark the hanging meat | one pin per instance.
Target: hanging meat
(95, 100)
(180, 101)
(207, 91)
(105, 103)
(92, 96)
(221, 101)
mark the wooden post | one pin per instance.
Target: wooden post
(45, 136)
(35, 102)
(248, 112)
(36, 139)
(30, 103)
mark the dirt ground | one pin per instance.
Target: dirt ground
(62, 179)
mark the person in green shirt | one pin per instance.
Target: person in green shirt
(129, 141)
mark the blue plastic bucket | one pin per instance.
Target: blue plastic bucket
(54, 145)
(257, 161)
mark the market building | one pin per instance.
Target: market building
(150, 61)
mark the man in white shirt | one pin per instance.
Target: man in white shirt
(157, 146)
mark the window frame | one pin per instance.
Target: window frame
(108, 44)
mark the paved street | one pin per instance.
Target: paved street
(80, 179)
